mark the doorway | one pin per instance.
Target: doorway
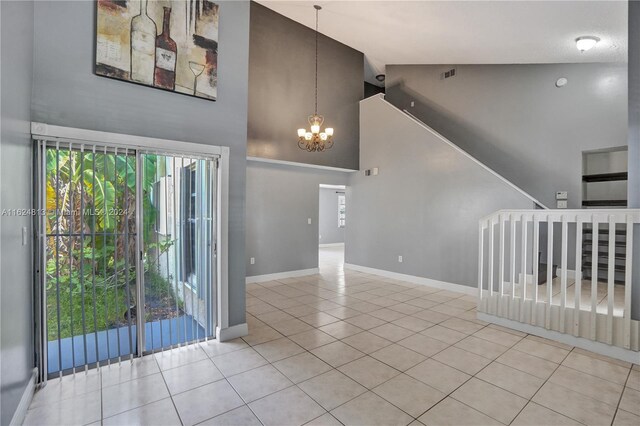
(332, 221)
(127, 252)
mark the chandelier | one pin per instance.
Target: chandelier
(315, 140)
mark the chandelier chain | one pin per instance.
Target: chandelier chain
(316, 105)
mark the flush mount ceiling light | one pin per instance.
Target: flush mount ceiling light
(561, 82)
(315, 140)
(585, 43)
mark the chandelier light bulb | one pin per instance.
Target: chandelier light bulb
(301, 133)
(329, 131)
(308, 136)
(323, 136)
(315, 129)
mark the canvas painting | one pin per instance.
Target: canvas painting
(170, 45)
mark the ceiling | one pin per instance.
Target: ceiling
(467, 32)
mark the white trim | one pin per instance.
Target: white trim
(48, 131)
(281, 275)
(326, 186)
(222, 232)
(25, 400)
(457, 148)
(568, 339)
(296, 164)
(458, 288)
(233, 332)
(331, 245)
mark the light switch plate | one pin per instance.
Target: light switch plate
(561, 195)
(309, 221)
(399, 259)
(25, 236)
(252, 260)
(374, 171)
(561, 204)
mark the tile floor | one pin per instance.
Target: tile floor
(344, 347)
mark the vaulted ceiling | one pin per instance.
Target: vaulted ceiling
(467, 32)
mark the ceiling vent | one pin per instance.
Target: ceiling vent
(448, 74)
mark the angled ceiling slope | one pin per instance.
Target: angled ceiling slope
(467, 32)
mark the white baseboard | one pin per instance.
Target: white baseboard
(332, 245)
(25, 401)
(458, 288)
(568, 339)
(233, 332)
(281, 275)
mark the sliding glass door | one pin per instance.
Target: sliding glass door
(178, 214)
(126, 259)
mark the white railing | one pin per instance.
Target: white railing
(590, 298)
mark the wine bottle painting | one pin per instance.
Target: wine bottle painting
(170, 45)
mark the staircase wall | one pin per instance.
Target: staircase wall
(424, 204)
(514, 119)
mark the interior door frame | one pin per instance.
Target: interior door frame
(47, 132)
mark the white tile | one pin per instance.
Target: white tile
(215, 348)
(536, 415)
(450, 412)
(630, 401)
(371, 410)
(81, 410)
(332, 389)
(312, 339)
(207, 401)
(238, 361)
(133, 394)
(462, 360)
(366, 342)
(287, 407)
(596, 367)
(398, 357)
(156, 413)
(302, 367)
(278, 349)
(437, 375)
(369, 372)
(511, 379)
(241, 416)
(586, 384)
(259, 382)
(180, 356)
(408, 394)
(190, 376)
(337, 353)
(70, 386)
(574, 405)
(423, 345)
(491, 400)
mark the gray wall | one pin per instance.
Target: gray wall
(328, 228)
(281, 83)
(280, 199)
(68, 93)
(514, 119)
(16, 355)
(425, 203)
(633, 187)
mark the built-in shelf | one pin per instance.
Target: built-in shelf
(605, 177)
(604, 203)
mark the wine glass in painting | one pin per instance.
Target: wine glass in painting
(196, 69)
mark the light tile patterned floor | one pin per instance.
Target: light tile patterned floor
(344, 347)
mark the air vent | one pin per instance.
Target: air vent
(449, 74)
